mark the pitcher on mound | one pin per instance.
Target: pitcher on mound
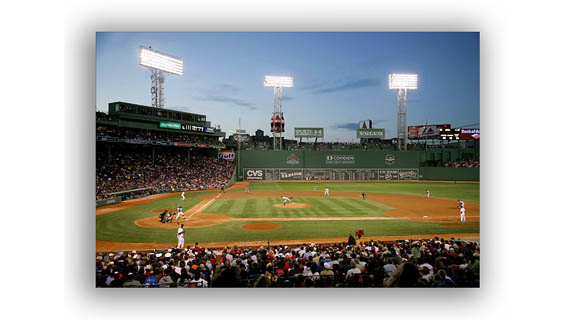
(286, 199)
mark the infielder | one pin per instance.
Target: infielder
(462, 215)
(427, 193)
(180, 212)
(286, 199)
(315, 188)
(460, 204)
(363, 196)
(180, 236)
(183, 196)
(326, 192)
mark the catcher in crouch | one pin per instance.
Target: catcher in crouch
(286, 199)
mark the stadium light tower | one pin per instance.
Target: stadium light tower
(402, 83)
(159, 63)
(277, 122)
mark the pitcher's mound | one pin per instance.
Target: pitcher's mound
(292, 205)
(261, 226)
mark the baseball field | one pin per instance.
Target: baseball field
(391, 211)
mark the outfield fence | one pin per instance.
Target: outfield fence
(374, 174)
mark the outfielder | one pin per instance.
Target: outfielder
(180, 212)
(286, 199)
(180, 236)
(462, 215)
(183, 196)
(427, 193)
(326, 192)
(315, 188)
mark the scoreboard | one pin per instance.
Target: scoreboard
(449, 133)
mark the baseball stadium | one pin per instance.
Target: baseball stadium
(181, 204)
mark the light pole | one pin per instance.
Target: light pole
(159, 63)
(402, 83)
(277, 123)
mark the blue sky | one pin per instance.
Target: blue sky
(339, 78)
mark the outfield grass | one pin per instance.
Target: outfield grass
(119, 225)
(320, 207)
(447, 190)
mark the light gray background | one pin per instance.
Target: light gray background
(527, 70)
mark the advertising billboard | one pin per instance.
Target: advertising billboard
(227, 155)
(170, 125)
(308, 132)
(469, 134)
(370, 133)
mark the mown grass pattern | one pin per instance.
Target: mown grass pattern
(447, 190)
(319, 207)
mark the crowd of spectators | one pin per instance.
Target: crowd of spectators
(153, 135)
(103, 116)
(470, 163)
(162, 172)
(340, 146)
(319, 146)
(424, 263)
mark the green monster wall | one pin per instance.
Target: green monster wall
(347, 165)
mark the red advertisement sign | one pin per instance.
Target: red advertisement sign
(183, 144)
(469, 134)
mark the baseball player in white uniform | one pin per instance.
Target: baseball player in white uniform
(326, 192)
(460, 204)
(183, 196)
(427, 193)
(180, 236)
(180, 212)
(462, 215)
(315, 188)
(286, 199)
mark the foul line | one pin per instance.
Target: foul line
(202, 207)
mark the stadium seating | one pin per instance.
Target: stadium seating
(406, 263)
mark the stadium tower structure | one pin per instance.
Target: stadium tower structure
(277, 124)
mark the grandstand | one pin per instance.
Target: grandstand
(423, 263)
(142, 151)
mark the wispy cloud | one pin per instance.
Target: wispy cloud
(349, 85)
(226, 99)
(228, 88)
(348, 126)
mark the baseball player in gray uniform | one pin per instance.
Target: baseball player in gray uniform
(180, 236)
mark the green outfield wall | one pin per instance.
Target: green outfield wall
(328, 159)
(329, 165)
(457, 174)
(352, 165)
